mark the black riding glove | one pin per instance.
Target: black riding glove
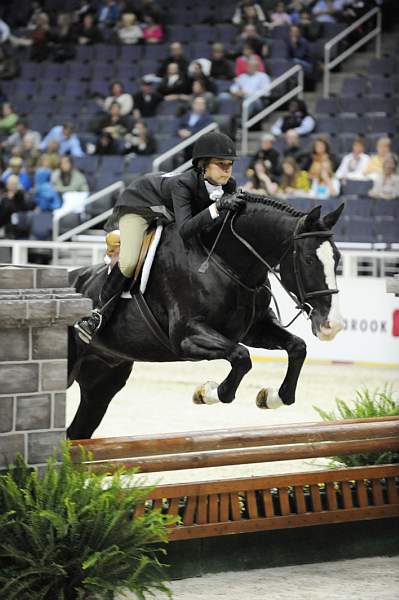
(232, 202)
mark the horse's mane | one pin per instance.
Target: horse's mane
(273, 203)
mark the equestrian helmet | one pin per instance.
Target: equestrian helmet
(214, 145)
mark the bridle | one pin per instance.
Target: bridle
(300, 300)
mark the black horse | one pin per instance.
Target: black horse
(200, 313)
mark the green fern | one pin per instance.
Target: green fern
(367, 404)
(72, 534)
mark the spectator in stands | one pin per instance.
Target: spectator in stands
(260, 181)
(294, 9)
(327, 11)
(320, 154)
(147, 100)
(86, 7)
(21, 134)
(46, 197)
(9, 67)
(40, 38)
(175, 56)
(68, 141)
(14, 208)
(293, 148)
(63, 39)
(299, 51)
(353, 164)
(128, 29)
(279, 16)
(4, 32)
(108, 13)
(117, 94)
(194, 120)
(140, 140)
(374, 165)
(221, 67)
(297, 119)
(148, 7)
(9, 119)
(114, 122)
(15, 167)
(294, 179)
(199, 70)
(88, 32)
(310, 28)
(251, 83)
(249, 12)
(198, 90)
(268, 155)
(386, 184)
(106, 145)
(51, 157)
(174, 86)
(241, 62)
(250, 35)
(67, 178)
(153, 32)
(324, 184)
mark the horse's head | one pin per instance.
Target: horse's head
(309, 270)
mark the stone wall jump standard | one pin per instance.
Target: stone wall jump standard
(36, 307)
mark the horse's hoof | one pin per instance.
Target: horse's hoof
(206, 393)
(268, 398)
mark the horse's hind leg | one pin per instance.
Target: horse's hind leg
(204, 343)
(269, 334)
(98, 383)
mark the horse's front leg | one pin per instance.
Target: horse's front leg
(204, 343)
(269, 334)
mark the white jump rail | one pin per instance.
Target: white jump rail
(19, 249)
(247, 122)
(187, 142)
(374, 33)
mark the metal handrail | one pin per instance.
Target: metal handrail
(247, 122)
(110, 189)
(187, 142)
(375, 33)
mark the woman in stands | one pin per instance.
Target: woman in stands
(67, 178)
(320, 153)
(386, 184)
(374, 165)
(297, 119)
(193, 199)
(293, 180)
(260, 181)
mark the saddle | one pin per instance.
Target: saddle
(146, 256)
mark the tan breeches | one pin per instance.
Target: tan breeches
(133, 228)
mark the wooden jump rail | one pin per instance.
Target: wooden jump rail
(267, 502)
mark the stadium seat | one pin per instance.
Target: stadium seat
(358, 125)
(387, 230)
(359, 206)
(381, 86)
(354, 187)
(383, 125)
(359, 229)
(327, 106)
(383, 66)
(355, 86)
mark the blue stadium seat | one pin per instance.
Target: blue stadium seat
(383, 66)
(381, 86)
(278, 48)
(386, 208)
(356, 125)
(387, 230)
(359, 229)
(380, 106)
(354, 187)
(359, 206)
(131, 53)
(327, 106)
(355, 86)
(383, 125)
(106, 52)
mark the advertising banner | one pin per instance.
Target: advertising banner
(371, 324)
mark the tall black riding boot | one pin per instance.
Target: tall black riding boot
(108, 298)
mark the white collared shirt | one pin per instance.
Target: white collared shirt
(215, 192)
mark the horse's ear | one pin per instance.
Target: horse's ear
(312, 217)
(331, 218)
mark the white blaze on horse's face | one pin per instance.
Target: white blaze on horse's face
(334, 321)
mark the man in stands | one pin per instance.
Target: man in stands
(146, 101)
(353, 164)
(68, 141)
(251, 82)
(22, 132)
(175, 56)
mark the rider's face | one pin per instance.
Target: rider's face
(219, 171)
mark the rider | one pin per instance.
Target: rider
(193, 199)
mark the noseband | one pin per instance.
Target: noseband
(301, 300)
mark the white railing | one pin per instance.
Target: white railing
(247, 122)
(357, 259)
(374, 33)
(19, 250)
(118, 186)
(181, 146)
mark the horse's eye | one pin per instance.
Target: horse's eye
(309, 260)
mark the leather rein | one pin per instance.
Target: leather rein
(300, 300)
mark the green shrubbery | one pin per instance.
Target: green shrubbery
(367, 404)
(72, 534)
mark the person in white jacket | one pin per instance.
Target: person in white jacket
(353, 164)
